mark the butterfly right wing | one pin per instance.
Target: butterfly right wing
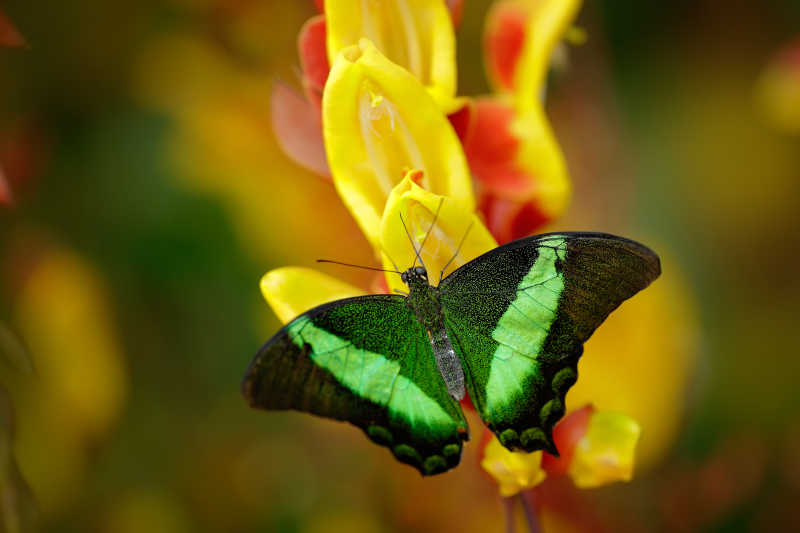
(367, 361)
(518, 317)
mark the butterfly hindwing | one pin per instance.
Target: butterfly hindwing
(518, 317)
(367, 361)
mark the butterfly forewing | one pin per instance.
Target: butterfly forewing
(518, 317)
(367, 361)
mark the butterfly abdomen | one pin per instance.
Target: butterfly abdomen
(448, 363)
(424, 300)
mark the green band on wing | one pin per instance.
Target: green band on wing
(370, 375)
(523, 328)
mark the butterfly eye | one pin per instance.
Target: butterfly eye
(420, 271)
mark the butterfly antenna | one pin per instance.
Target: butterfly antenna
(430, 229)
(464, 238)
(412, 243)
(389, 257)
(357, 266)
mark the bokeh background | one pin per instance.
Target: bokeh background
(149, 196)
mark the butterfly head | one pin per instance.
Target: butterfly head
(415, 275)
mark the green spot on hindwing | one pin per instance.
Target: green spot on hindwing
(434, 464)
(533, 439)
(509, 438)
(406, 454)
(380, 435)
(563, 380)
(552, 412)
(452, 450)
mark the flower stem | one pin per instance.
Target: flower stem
(530, 514)
(508, 508)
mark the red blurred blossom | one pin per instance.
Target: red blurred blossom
(505, 189)
(378, 284)
(508, 219)
(313, 58)
(503, 42)
(790, 55)
(491, 147)
(297, 124)
(456, 8)
(297, 120)
(5, 192)
(566, 435)
(23, 154)
(320, 5)
(9, 36)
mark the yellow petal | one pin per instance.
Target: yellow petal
(291, 291)
(548, 22)
(540, 156)
(513, 471)
(606, 452)
(418, 35)
(378, 123)
(418, 208)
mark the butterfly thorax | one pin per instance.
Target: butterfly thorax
(424, 300)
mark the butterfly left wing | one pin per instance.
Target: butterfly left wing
(367, 361)
(518, 317)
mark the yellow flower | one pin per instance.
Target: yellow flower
(513, 471)
(378, 123)
(596, 447)
(290, 291)
(417, 35)
(398, 166)
(293, 290)
(418, 208)
(606, 452)
(520, 38)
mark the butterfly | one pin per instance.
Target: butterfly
(507, 328)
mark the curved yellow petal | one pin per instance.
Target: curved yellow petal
(513, 471)
(378, 123)
(417, 207)
(290, 291)
(606, 452)
(540, 156)
(548, 22)
(418, 35)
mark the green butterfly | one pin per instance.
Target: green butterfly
(507, 327)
